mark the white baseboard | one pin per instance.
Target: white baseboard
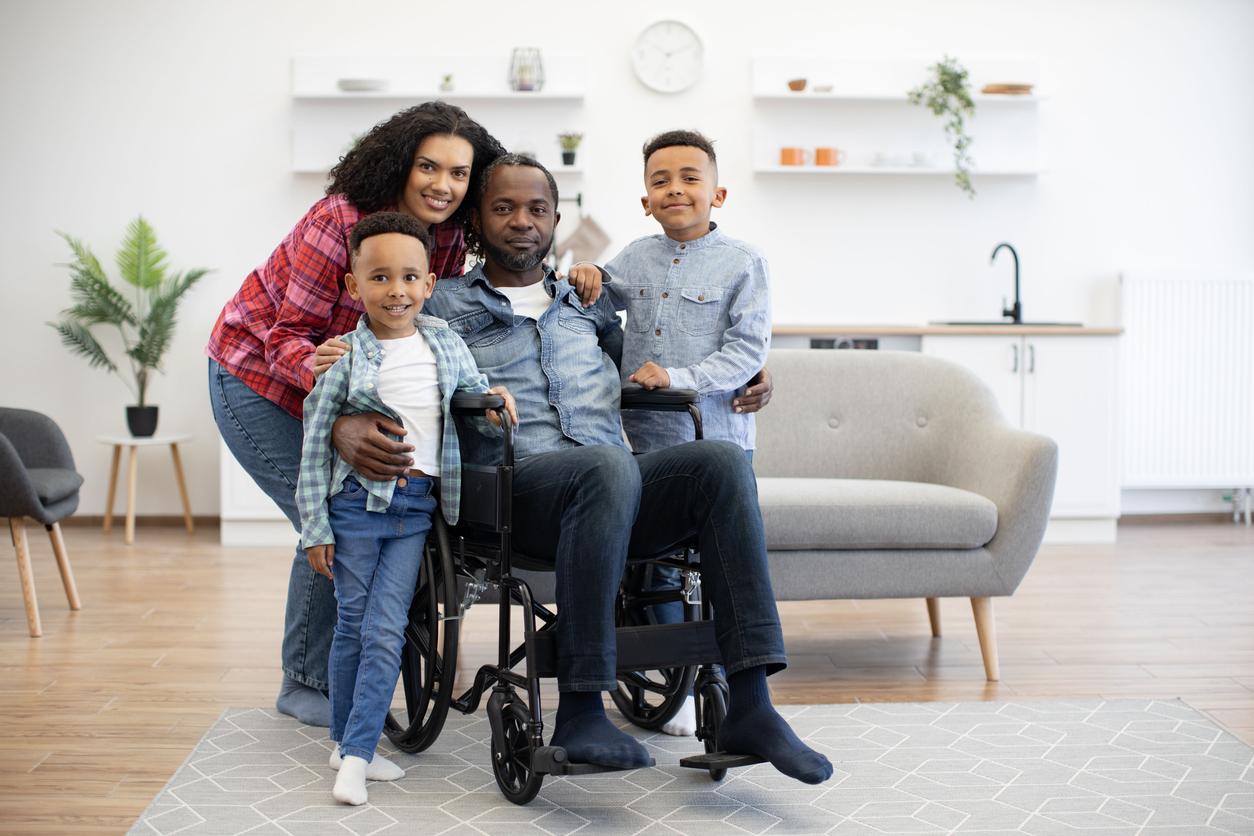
(1080, 531)
(1174, 501)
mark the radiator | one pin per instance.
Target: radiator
(1187, 363)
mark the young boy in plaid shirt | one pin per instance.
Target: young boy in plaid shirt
(367, 535)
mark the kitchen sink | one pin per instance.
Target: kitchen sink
(1006, 322)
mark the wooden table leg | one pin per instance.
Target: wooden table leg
(178, 471)
(132, 476)
(113, 488)
(63, 563)
(17, 528)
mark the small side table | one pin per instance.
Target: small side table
(132, 477)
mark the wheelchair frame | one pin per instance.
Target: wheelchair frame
(485, 559)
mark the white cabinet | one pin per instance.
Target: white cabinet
(249, 517)
(1063, 387)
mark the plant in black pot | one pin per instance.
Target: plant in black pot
(570, 144)
(142, 310)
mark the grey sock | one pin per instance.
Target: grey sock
(309, 705)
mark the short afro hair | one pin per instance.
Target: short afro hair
(692, 139)
(383, 222)
(474, 244)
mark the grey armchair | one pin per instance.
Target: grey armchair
(37, 479)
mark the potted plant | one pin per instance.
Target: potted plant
(948, 95)
(143, 310)
(569, 141)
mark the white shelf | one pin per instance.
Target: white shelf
(897, 170)
(863, 98)
(450, 96)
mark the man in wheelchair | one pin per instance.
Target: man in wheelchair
(582, 497)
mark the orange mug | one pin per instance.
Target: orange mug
(789, 155)
(828, 156)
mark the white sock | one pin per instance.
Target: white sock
(379, 768)
(350, 783)
(684, 723)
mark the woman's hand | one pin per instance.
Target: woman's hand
(326, 354)
(509, 406)
(757, 394)
(585, 278)
(361, 442)
(322, 558)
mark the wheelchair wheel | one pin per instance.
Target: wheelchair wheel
(649, 699)
(512, 751)
(713, 710)
(429, 657)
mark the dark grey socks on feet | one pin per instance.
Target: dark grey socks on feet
(309, 705)
(588, 736)
(753, 727)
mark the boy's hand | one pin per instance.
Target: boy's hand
(651, 376)
(757, 393)
(326, 354)
(361, 442)
(585, 277)
(322, 558)
(509, 406)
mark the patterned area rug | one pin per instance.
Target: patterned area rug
(1093, 767)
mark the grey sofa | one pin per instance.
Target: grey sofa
(886, 474)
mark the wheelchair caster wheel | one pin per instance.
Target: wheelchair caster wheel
(512, 751)
(713, 710)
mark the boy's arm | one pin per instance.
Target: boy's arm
(322, 407)
(745, 343)
(609, 330)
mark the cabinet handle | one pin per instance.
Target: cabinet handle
(1031, 358)
(1014, 363)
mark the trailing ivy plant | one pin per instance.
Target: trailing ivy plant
(145, 320)
(948, 95)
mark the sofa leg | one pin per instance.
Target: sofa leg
(986, 629)
(63, 563)
(17, 528)
(933, 615)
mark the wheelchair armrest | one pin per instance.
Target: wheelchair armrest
(658, 400)
(468, 402)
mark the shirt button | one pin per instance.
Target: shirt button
(657, 332)
(683, 246)
(675, 261)
(834, 423)
(665, 295)
(401, 482)
(642, 291)
(701, 298)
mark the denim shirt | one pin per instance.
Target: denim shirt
(701, 310)
(557, 368)
(350, 387)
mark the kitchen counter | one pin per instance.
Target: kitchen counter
(944, 330)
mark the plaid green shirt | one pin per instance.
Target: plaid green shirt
(348, 388)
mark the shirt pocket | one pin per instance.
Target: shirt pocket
(641, 307)
(476, 329)
(700, 310)
(573, 317)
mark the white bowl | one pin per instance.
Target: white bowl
(362, 85)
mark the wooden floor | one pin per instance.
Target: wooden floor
(99, 712)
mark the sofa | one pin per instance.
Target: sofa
(891, 474)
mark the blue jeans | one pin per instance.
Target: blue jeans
(266, 442)
(588, 508)
(377, 559)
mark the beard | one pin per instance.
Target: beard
(518, 262)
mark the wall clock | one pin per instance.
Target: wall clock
(668, 56)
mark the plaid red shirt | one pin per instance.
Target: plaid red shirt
(267, 333)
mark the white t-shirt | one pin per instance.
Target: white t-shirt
(409, 385)
(529, 301)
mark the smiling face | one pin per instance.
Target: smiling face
(391, 278)
(681, 188)
(516, 220)
(438, 178)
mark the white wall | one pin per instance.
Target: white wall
(181, 110)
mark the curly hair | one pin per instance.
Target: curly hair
(474, 243)
(693, 139)
(381, 223)
(376, 168)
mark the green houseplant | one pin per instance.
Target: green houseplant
(142, 310)
(948, 95)
(569, 141)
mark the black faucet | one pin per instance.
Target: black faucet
(1015, 313)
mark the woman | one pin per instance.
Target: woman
(262, 352)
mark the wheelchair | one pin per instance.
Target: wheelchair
(659, 665)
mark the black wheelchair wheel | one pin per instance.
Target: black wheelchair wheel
(429, 657)
(511, 753)
(713, 710)
(649, 699)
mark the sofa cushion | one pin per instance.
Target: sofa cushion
(53, 483)
(872, 514)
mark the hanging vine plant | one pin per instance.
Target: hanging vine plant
(948, 95)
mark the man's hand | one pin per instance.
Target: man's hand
(509, 406)
(322, 558)
(586, 279)
(651, 376)
(757, 394)
(361, 442)
(326, 354)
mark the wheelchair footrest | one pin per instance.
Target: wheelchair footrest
(551, 760)
(719, 760)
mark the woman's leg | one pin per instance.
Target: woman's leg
(266, 441)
